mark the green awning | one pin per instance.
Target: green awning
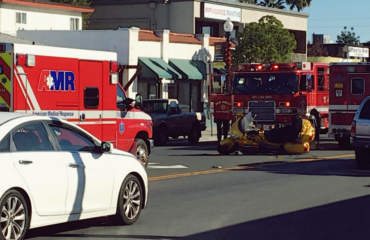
(157, 68)
(190, 69)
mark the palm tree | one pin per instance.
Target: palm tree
(273, 3)
(299, 4)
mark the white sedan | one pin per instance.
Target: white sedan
(55, 172)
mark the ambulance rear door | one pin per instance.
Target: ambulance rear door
(91, 96)
(356, 92)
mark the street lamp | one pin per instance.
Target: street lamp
(228, 28)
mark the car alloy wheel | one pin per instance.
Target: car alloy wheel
(14, 216)
(131, 200)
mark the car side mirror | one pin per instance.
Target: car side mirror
(138, 101)
(106, 147)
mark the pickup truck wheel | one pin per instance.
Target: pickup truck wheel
(161, 137)
(142, 151)
(194, 134)
(362, 158)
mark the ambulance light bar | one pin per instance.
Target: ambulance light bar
(113, 66)
(26, 60)
(2, 47)
(113, 72)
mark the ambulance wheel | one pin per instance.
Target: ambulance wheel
(162, 136)
(142, 151)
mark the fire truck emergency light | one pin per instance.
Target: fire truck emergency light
(26, 60)
(2, 47)
(336, 69)
(287, 104)
(239, 104)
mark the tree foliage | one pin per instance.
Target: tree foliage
(273, 3)
(79, 3)
(265, 42)
(267, 3)
(348, 37)
(299, 4)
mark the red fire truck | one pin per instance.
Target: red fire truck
(348, 87)
(80, 86)
(274, 92)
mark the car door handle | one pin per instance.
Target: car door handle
(25, 162)
(72, 165)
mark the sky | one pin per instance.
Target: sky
(329, 17)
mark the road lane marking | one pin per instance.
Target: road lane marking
(167, 167)
(251, 166)
(178, 175)
(324, 158)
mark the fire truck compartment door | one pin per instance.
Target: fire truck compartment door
(91, 97)
(355, 90)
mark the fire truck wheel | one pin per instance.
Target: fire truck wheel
(142, 151)
(129, 202)
(362, 158)
(161, 137)
(194, 134)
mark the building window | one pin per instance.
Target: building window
(21, 17)
(74, 23)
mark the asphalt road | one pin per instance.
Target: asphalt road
(320, 195)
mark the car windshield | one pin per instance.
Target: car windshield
(155, 106)
(265, 83)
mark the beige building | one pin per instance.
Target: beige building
(194, 17)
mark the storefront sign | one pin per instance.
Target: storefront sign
(358, 52)
(222, 12)
(219, 51)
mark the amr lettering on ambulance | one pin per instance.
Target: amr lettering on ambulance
(71, 84)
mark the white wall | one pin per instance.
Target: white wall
(35, 21)
(149, 49)
(105, 40)
(183, 51)
(293, 22)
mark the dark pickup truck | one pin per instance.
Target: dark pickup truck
(170, 121)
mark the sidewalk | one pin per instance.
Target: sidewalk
(209, 135)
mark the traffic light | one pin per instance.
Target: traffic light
(227, 55)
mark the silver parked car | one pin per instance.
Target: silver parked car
(360, 133)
